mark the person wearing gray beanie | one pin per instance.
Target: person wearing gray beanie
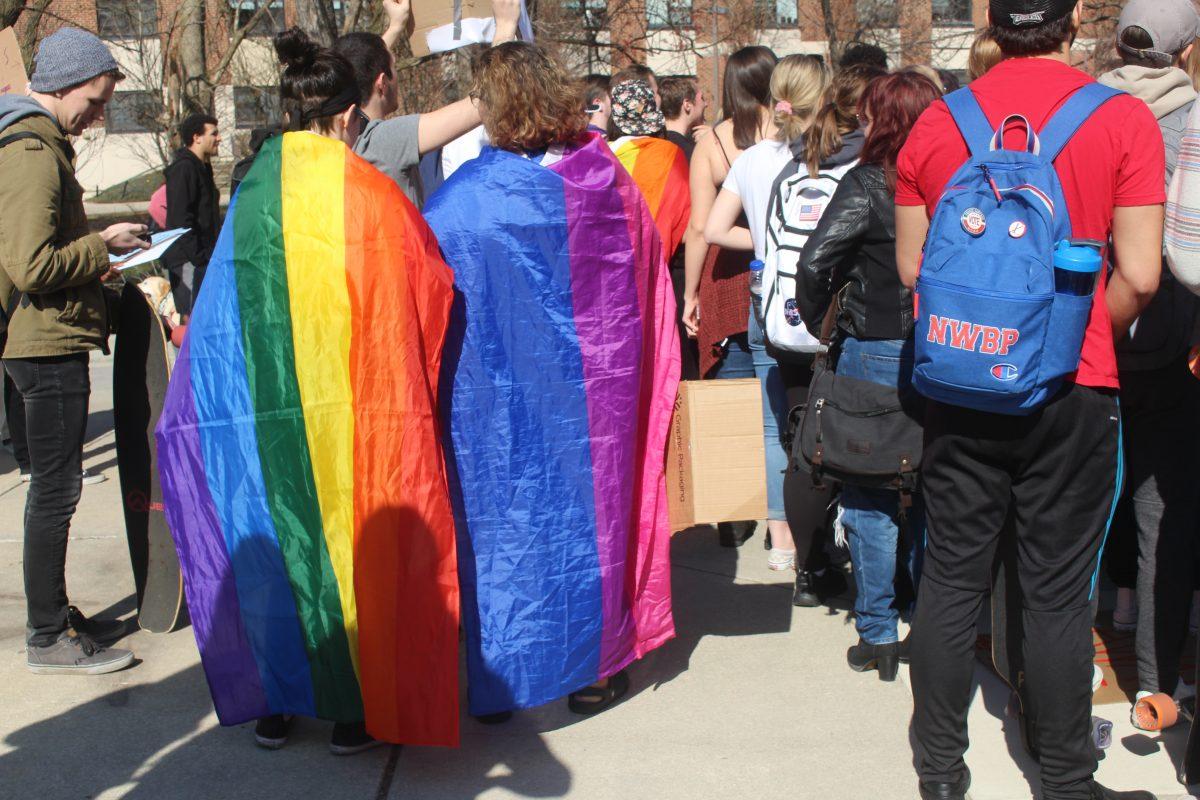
(69, 57)
(53, 312)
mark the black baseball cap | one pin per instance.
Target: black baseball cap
(1028, 13)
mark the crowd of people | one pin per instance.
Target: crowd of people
(983, 300)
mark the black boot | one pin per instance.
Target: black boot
(1104, 793)
(812, 588)
(882, 657)
(954, 790)
(805, 594)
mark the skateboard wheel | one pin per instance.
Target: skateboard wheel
(1156, 712)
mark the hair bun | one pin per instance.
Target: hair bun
(295, 49)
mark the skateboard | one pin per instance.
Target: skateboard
(1008, 636)
(1189, 772)
(142, 364)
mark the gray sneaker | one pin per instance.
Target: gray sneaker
(76, 654)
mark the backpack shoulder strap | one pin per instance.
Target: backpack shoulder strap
(970, 119)
(19, 136)
(1070, 117)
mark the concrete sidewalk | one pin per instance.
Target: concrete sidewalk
(752, 699)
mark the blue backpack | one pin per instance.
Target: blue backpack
(991, 333)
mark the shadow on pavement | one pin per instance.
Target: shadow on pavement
(152, 741)
(708, 601)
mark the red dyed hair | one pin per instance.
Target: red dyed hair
(893, 103)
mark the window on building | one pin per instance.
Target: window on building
(777, 13)
(125, 19)
(256, 107)
(593, 12)
(877, 13)
(952, 12)
(133, 112)
(673, 14)
(269, 24)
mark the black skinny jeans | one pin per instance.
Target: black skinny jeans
(806, 506)
(56, 392)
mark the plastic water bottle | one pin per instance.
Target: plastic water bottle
(756, 287)
(1077, 262)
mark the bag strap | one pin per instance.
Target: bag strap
(1068, 119)
(20, 135)
(835, 308)
(971, 121)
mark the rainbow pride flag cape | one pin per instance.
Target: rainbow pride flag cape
(562, 364)
(660, 169)
(302, 471)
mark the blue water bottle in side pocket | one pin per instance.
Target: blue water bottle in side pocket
(1077, 263)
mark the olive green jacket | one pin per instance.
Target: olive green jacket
(50, 265)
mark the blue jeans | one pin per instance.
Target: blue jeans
(870, 516)
(746, 357)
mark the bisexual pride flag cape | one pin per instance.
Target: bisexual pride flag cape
(660, 169)
(302, 471)
(560, 374)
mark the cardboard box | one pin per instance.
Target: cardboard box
(12, 68)
(432, 29)
(716, 465)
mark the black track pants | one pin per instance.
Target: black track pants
(1056, 471)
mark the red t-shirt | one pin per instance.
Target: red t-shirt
(1115, 159)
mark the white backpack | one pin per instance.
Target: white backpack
(796, 205)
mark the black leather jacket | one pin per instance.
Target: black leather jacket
(854, 249)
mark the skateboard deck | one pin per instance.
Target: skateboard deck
(1189, 771)
(1008, 636)
(141, 368)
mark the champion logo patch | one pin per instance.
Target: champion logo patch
(974, 222)
(1005, 372)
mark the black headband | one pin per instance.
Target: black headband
(1028, 13)
(333, 105)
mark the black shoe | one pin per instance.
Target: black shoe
(499, 718)
(805, 594)
(882, 657)
(350, 738)
(101, 630)
(1104, 793)
(272, 732)
(735, 534)
(812, 589)
(937, 790)
(594, 699)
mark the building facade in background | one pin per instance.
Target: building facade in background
(671, 36)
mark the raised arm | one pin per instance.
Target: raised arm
(398, 13)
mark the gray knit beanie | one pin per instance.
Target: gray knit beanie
(69, 57)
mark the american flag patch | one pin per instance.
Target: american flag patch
(809, 213)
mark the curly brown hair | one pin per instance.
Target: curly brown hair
(517, 115)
